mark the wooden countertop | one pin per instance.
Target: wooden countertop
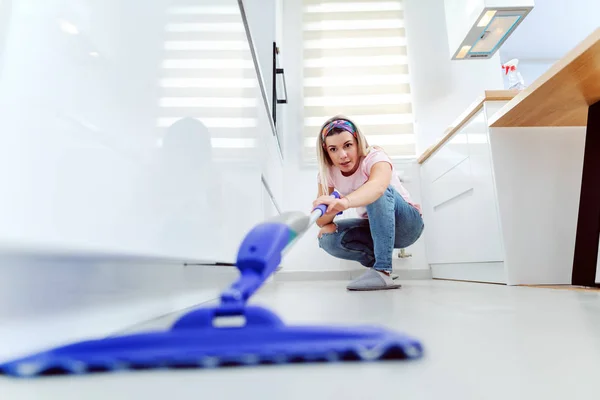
(489, 95)
(562, 95)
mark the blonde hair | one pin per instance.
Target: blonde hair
(323, 159)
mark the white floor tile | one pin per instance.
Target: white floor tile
(481, 341)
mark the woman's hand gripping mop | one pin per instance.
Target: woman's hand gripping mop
(207, 337)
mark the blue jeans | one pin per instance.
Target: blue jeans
(392, 223)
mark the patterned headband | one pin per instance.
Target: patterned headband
(340, 124)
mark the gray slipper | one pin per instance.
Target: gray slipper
(373, 280)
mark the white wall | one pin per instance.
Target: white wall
(442, 89)
(552, 29)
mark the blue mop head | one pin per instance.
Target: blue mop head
(194, 342)
(230, 334)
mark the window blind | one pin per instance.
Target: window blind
(355, 63)
(207, 73)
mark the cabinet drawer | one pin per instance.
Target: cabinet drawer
(452, 184)
(447, 157)
(462, 223)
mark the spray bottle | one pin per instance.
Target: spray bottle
(515, 79)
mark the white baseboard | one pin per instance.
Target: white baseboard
(345, 275)
(492, 272)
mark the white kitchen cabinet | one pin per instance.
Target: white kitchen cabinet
(452, 154)
(460, 209)
(504, 209)
(97, 153)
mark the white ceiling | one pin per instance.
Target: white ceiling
(551, 29)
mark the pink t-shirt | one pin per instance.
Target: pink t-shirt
(348, 184)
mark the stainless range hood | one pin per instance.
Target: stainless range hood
(477, 28)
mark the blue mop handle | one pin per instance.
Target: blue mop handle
(258, 256)
(323, 207)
